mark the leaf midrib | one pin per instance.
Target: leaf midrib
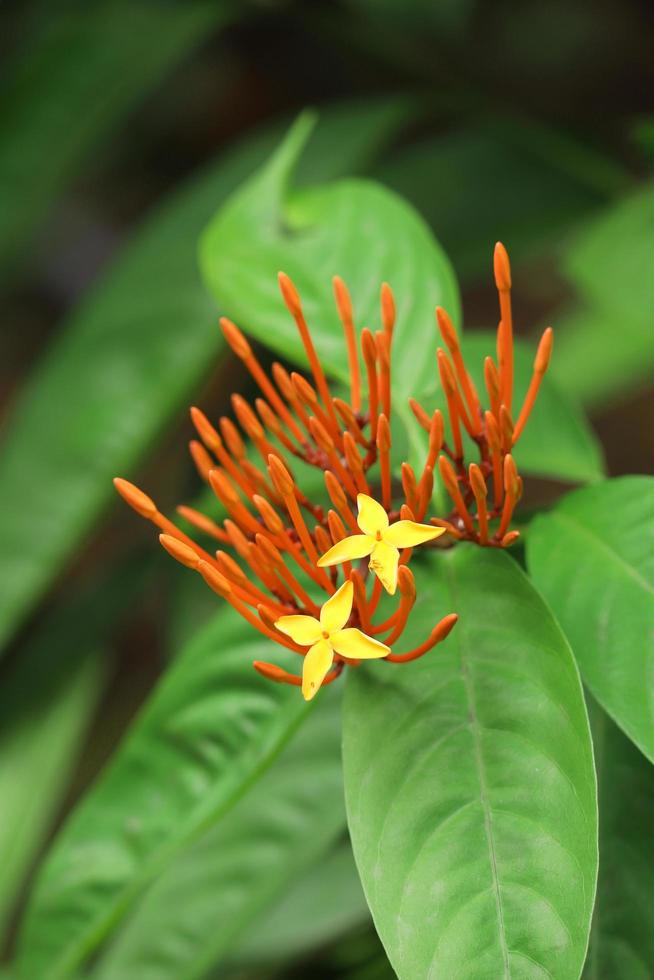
(468, 684)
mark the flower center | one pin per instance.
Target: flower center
(378, 535)
(325, 635)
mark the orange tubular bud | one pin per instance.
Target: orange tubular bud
(502, 270)
(410, 486)
(137, 500)
(339, 500)
(509, 538)
(282, 479)
(205, 430)
(232, 438)
(344, 304)
(449, 335)
(426, 488)
(440, 632)
(336, 527)
(271, 518)
(388, 312)
(247, 419)
(369, 350)
(494, 444)
(235, 338)
(440, 522)
(492, 381)
(383, 447)
(202, 522)
(506, 429)
(448, 387)
(480, 491)
(451, 484)
(349, 420)
(421, 416)
(452, 393)
(541, 363)
(214, 579)
(511, 492)
(384, 349)
(290, 294)
(322, 539)
(320, 435)
(274, 673)
(203, 461)
(223, 488)
(355, 463)
(180, 552)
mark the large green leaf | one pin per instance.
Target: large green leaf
(353, 228)
(211, 726)
(470, 786)
(76, 79)
(47, 698)
(610, 332)
(557, 441)
(593, 559)
(622, 938)
(215, 892)
(125, 362)
(488, 182)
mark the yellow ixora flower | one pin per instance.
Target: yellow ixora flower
(381, 540)
(327, 636)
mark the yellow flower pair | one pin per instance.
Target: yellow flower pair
(381, 541)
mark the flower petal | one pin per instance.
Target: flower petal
(304, 630)
(383, 562)
(356, 645)
(336, 611)
(316, 664)
(356, 546)
(407, 534)
(372, 516)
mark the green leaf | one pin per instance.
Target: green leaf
(131, 354)
(557, 441)
(322, 905)
(210, 727)
(244, 863)
(592, 558)
(80, 75)
(46, 703)
(353, 228)
(488, 182)
(470, 786)
(622, 937)
(610, 331)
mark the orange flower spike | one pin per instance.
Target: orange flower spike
(291, 298)
(511, 493)
(439, 633)
(541, 363)
(406, 585)
(410, 486)
(355, 463)
(384, 448)
(388, 311)
(369, 350)
(451, 389)
(492, 381)
(340, 501)
(344, 306)
(451, 484)
(349, 421)
(449, 335)
(146, 507)
(421, 416)
(202, 523)
(285, 485)
(506, 429)
(242, 349)
(274, 673)
(232, 438)
(203, 461)
(452, 407)
(480, 491)
(502, 270)
(212, 441)
(277, 561)
(324, 441)
(495, 446)
(384, 351)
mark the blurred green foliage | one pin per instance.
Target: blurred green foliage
(212, 842)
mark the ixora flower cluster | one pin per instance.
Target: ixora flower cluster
(289, 546)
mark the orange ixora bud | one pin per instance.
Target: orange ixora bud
(388, 310)
(235, 338)
(501, 268)
(280, 476)
(137, 500)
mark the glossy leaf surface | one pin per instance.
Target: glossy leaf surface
(592, 557)
(470, 786)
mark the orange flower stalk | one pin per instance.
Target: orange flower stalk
(287, 549)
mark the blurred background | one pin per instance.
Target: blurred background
(123, 127)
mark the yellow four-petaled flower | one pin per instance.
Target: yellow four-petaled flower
(328, 636)
(381, 540)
